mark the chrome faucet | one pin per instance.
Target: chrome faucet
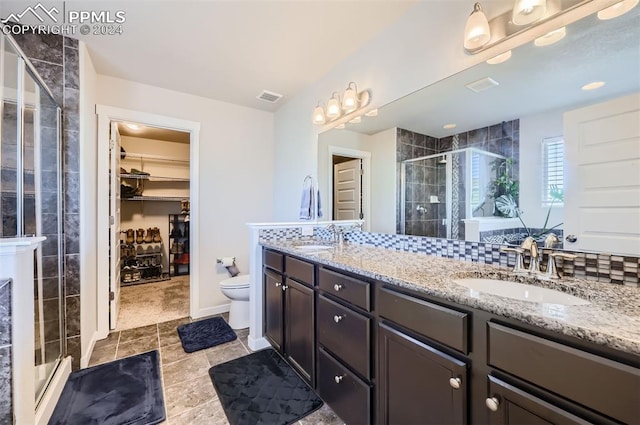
(531, 245)
(338, 233)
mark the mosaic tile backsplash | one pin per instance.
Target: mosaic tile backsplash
(599, 267)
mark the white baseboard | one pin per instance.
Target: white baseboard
(53, 391)
(84, 360)
(210, 311)
(257, 344)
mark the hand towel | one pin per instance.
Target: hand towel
(319, 205)
(306, 206)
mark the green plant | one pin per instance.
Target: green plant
(504, 184)
(508, 206)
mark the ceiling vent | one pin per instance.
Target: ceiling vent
(269, 96)
(482, 85)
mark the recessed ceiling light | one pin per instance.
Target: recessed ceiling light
(449, 126)
(372, 113)
(551, 37)
(617, 9)
(503, 57)
(593, 86)
(133, 126)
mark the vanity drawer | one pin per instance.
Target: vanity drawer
(601, 384)
(273, 260)
(344, 392)
(436, 322)
(346, 334)
(352, 290)
(299, 270)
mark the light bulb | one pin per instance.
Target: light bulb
(350, 98)
(333, 107)
(476, 31)
(528, 11)
(318, 115)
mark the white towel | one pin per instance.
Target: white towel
(306, 206)
(319, 205)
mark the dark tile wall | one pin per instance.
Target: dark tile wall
(56, 59)
(6, 402)
(428, 178)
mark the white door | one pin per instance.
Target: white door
(114, 225)
(347, 190)
(602, 176)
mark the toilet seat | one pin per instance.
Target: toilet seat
(237, 282)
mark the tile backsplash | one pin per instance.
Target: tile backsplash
(600, 267)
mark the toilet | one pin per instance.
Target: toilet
(237, 290)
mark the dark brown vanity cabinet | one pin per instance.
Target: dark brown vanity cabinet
(289, 310)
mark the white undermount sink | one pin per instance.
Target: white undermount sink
(313, 247)
(519, 291)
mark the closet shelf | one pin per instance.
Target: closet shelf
(156, 198)
(154, 178)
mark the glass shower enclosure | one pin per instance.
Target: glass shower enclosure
(439, 191)
(31, 195)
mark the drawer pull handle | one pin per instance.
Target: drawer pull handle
(337, 287)
(285, 287)
(337, 318)
(338, 378)
(455, 383)
(492, 403)
(278, 284)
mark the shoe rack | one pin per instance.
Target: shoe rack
(141, 254)
(179, 243)
(135, 180)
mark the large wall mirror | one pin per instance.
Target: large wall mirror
(483, 155)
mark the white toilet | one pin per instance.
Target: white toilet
(237, 290)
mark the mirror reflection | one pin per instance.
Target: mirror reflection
(480, 155)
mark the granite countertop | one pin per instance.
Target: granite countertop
(611, 319)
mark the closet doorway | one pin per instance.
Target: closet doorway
(147, 239)
(151, 167)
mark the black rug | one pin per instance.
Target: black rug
(126, 391)
(205, 333)
(262, 388)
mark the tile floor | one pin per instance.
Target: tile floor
(189, 396)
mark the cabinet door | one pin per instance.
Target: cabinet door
(510, 405)
(273, 297)
(298, 323)
(418, 383)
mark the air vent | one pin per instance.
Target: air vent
(482, 85)
(269, 96)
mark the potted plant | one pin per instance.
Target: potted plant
(504, 184)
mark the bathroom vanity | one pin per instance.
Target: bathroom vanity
(388, 337)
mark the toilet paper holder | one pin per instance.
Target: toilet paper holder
(219, 260)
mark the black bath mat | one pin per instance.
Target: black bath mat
(262, 388)
(205, 333)
(126, 391)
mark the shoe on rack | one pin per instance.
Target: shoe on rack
(123, 171)
(138, 172)
(180, 248)
(140, 250)
(185, 246)
(148, 238)
(130, 237)
(175, 232)
(139, 236)
(156, 235)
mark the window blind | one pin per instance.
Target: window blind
(553, 168)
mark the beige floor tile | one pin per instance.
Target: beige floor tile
(102, 355)
(171, 325)
(225, 352)
(243, 336)
(322, 416)
(188, 394)
(137, 333)
(110, 340)
(209, 413)
(169, 338)
(137, 346)
(185, 370)
(174, 352)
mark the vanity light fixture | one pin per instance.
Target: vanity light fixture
(319, 117)
(503, 57)
(340, 126)
(476, 31)
(356, 120)
(617, 9)
(372, 113)
(593, 86)
(449, 126)
(333, 106)
(551, 37)
(526, 12)
(350, 98)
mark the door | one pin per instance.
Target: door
(602, 176)
(273, 302)
(347, 190)
(114, 225)
(419, 384)
(298, 323)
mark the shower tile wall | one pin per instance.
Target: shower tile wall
(425, 178)
(6, 405)
(56, 59)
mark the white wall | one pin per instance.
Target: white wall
(88, 199)
(383, 181)
(236, 163)
(534, 129)
(422, 47)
